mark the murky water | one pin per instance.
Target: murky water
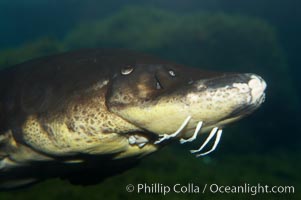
(259, 37)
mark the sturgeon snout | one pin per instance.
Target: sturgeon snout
(257, 86)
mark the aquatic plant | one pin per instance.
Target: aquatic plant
(204, 39)
(172, 166)
(41, 47)
(209, 39)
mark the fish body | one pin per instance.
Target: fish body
(93, 113)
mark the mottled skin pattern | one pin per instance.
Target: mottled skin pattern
(61, 116)
(71, 115)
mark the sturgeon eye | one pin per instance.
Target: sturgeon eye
(172, 73)
(127, 70)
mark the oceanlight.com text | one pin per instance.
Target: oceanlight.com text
(192, 188)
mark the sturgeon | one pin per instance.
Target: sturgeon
(90, 114)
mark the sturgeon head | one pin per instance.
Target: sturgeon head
(174, 102)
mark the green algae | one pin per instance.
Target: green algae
(41, 47)
(171, 166)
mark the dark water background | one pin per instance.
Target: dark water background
(258, 36)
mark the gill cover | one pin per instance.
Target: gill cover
(137, 93)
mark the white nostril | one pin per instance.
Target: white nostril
(257, 86)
